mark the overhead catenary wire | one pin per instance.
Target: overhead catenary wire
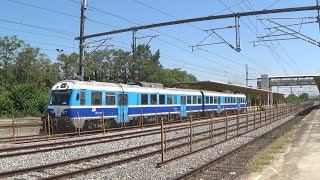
(299, 69)
(257, 33)
(40, 34)
(51, 44)
(144, 4)
(182, 67)
(64, 32)
(163, 55)
(282, 67)
(60, 12)
(224, 73)
(123, 18)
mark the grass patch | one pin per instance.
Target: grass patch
(266, 156)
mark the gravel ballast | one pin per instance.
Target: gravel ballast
(145, 168)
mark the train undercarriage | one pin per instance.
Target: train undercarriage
(67, 125)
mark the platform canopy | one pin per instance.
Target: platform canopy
(220, 86)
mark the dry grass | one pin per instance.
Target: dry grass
(266, 156)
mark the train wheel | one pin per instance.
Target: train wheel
(110, 123)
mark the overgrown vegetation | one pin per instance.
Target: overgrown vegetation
(266, 156)
(26, 75)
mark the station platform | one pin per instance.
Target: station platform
(23, 126)
(301, 159)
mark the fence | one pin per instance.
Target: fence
(215, 130)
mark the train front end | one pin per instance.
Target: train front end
(59, 107)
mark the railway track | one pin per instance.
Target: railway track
(45, 147)
(43, 137)
(233, 164)
(111, 159)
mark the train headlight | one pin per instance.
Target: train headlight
(51, 112)
(64, 112)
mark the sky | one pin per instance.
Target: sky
(52, 25)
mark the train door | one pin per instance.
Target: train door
(122, 108)
(238, 103)
(203, 101)
(219, 104)
(183, 106)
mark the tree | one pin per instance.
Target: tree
(28, 100)
(9, 50)
(292, 98)
(69, 65)
(148, 65)
(173, 76)
(26, 75)
(304, 96)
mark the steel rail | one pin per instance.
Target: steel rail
(231, 118)
(104, 166)
(148, 131)
(58, 164)
(207, 165)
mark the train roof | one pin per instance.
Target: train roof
(134, 88)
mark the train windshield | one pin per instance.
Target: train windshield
(60, 97)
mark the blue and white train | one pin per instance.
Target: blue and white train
(123, 103)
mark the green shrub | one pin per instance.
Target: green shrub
(5, 103)
(28, 100)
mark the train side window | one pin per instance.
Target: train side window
(162, 99)
(77, 97)
(144, 99)
(110, 98)
(225, 100)
(96, 98)
(207, 100)
(199, 100)
(194, 99)
(211, 99)
(219, 100)
(153, 99)
(183, 100)
(175, 99)
(188, 99)
(215, 100)
(169, 99)
(82, 97)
